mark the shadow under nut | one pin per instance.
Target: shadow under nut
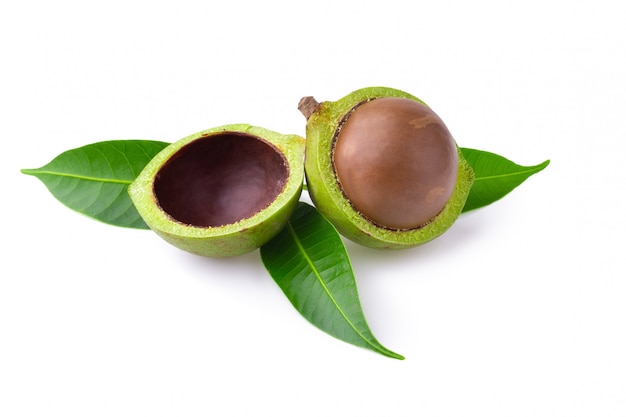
(396, 162)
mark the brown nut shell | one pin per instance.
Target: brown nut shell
(396, 162)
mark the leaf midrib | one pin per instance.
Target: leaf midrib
(80, 177)
(513, 174)
(293, 234)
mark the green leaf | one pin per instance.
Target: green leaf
(309, 262)
(495, 177)
(94, 179)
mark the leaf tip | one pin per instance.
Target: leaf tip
(389, 353)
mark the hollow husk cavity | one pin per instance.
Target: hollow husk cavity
(223, 191)
(323, 127)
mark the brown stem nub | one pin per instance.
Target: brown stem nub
(308, 106)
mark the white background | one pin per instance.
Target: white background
(519, 310)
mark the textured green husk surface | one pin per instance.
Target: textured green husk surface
(233, 239)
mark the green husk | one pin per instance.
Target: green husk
(232, 239)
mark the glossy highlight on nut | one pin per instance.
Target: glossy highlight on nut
(220, 179)
(396, 162)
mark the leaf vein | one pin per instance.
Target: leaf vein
(323, 284)
(511, 174)
(77, 176)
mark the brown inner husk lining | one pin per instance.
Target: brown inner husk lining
(220, 179)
